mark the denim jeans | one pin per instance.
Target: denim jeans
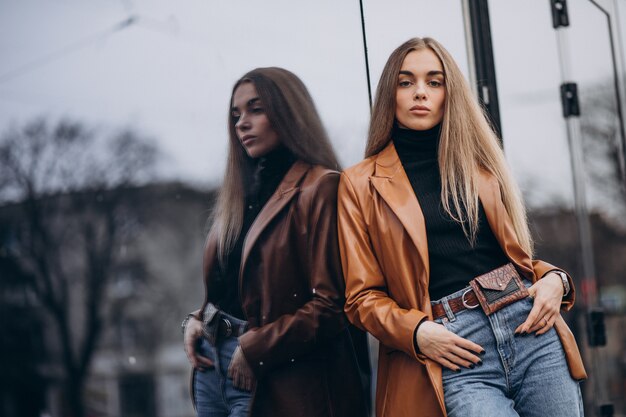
(213, 389)
(523, 376)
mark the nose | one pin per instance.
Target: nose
(243, 123)
(420, 92)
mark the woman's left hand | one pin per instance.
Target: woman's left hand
(239, 371)
(548, 295)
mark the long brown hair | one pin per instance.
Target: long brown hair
(293, 116)
(467, 142)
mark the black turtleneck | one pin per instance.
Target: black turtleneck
(269, 171)
(453, 260)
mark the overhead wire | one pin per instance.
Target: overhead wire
(66, 50)
(367, 64)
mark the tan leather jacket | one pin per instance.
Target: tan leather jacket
(382, 238)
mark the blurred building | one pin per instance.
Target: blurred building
(139, 367)
(557, 242)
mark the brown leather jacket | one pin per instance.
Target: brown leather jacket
(382, 237)
(292, 293)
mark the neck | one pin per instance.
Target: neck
(418, 143)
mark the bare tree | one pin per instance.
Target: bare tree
(69, 183)
(601, 136)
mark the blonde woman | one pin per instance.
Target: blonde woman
(437, 258)
(271, 338)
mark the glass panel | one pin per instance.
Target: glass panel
(169, 71)
(164, 70)
(389, 24)
(594, 71)
(535, 139)
(528, 77)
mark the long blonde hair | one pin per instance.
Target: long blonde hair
(467, 143)
(292, 114)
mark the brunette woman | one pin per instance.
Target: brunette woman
(433, 208)
(271, 338)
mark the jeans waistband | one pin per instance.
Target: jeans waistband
(218, 325)
(450, 296)
(450, 304)
(234, 320)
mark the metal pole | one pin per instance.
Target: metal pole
(571, 113)
(574, 137)
(476, 16)
(610, 11)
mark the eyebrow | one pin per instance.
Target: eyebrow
(433, 72)
(249, 103)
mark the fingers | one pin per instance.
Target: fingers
(192, 335)
(190, 349)
(448, 364)
(549, 324)
(446, 348)
(458, 361)
(468, 345)
(203, 363)
(547, 294)
(465, 353)
(541, 317)
(240, 372)
(458, 358)
(190, 338)
(241, 380)
(531, 320)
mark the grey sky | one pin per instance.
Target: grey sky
(170, 73)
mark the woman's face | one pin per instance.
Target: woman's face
(420, 92)
(252, 126)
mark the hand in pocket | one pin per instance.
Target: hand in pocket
(239, 371)
(193, 334)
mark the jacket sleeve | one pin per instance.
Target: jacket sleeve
(538, 268)
(291, 336)
(368, 304)
(542, 269)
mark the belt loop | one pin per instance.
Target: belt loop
(446, 306)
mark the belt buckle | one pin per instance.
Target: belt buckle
(469, 307)
(229, 327)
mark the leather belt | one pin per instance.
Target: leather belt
(226, 328)
(466, 301)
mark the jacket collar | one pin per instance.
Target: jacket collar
(286, 191)
(393, 185)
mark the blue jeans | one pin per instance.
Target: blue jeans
(213, 389)
(523, 376)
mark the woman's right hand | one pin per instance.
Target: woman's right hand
(446, 348)
(193, 332)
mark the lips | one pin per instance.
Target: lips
(247, 138)
(419, 108)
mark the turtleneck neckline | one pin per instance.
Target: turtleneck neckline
(277, 161)
(422, 143)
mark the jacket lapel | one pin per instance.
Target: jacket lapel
(501, 224)
(393, 185)
(287, 190)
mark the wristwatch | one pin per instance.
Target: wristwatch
(565, 281)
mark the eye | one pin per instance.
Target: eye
(435, 83)
(257, 110)
(404, 83)
(234, 115)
